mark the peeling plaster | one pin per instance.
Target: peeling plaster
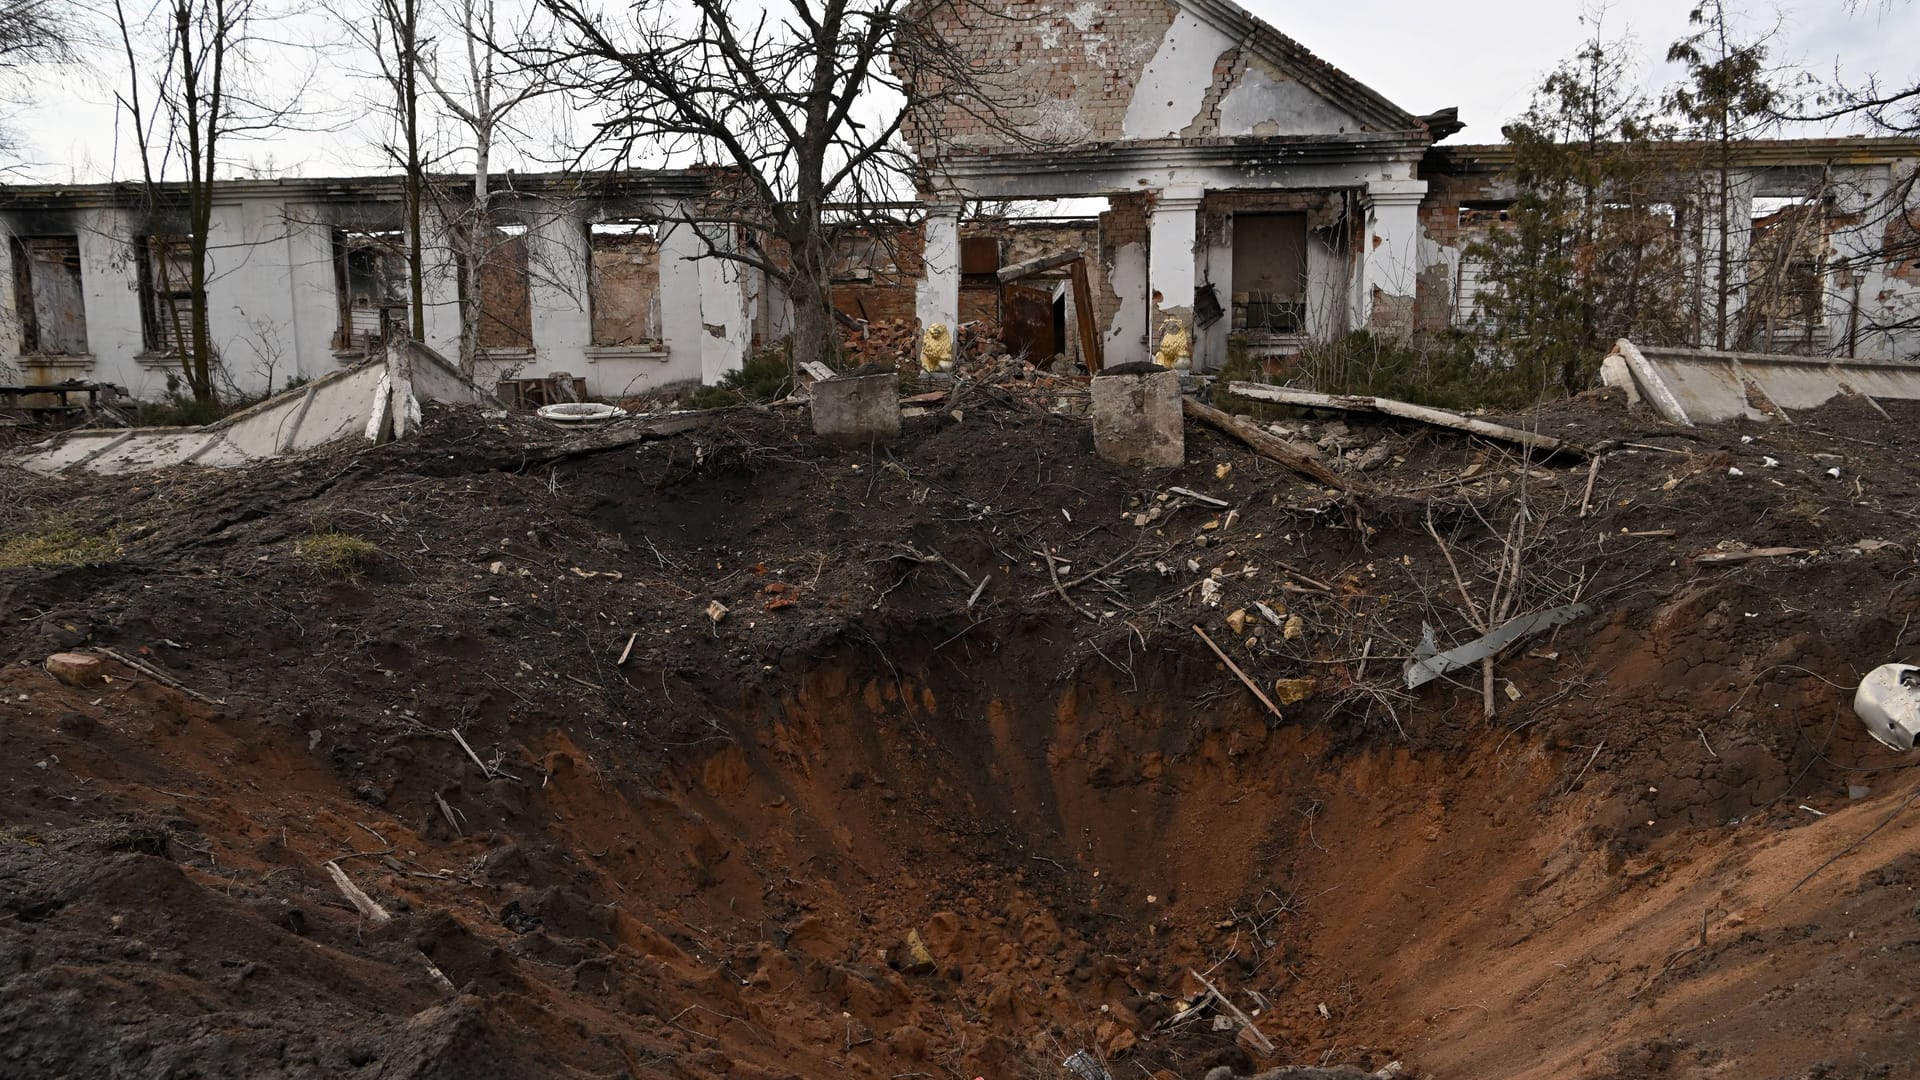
(1264, 102)
(1125, 340)
(1168, 97)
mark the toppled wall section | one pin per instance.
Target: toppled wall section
(376, 399)
(1697, 386)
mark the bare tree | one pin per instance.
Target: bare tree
(805, 101)
(480, 92)
(1730, 94)
(202, 55)
(33, 34)
(390, 33)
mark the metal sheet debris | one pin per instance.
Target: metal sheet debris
(1428, 665)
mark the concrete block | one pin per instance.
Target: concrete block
(857, 409)
(1137, 420)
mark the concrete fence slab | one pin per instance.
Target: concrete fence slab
(1695, 386)
(357, 402)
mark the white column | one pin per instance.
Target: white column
(725, 327)
(937, 300)
(1171, 229)
(1390, 262)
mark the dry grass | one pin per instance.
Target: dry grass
(336, 554)
(57, 545)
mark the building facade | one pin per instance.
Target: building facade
(609, 279)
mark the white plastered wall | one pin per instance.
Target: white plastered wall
(1168, 97)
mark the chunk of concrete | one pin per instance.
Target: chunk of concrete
(1137, 420)
(856, 409)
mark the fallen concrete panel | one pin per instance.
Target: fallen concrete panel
(365, 400)
(1694, 386)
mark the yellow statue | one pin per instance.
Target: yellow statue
(1176, 348)
(936, 348)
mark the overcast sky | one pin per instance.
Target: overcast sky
(1482, 56)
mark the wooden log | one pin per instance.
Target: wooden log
(1405, 410)
(1266, 445)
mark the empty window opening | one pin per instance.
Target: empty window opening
(623, 283)
(1786, 273)
(372, 271)
(506, 292)
(47, 296)
(863, 257)
(1477, 221)
(1270, 273)
(166, 292)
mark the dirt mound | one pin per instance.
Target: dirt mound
(730, 754)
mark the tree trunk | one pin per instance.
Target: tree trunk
(479, 247)
(410, 89)
(811, 290)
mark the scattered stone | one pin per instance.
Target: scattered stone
(74, 669)
(1295, 629)
(1237, 619)
(1294, 691)
(918, 959)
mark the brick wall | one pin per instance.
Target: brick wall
(1058, 71)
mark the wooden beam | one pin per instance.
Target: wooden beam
(1038, 264)
(1546, 444)
(1090, 351)
(1266, 445)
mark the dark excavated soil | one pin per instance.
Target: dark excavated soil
(860, 826)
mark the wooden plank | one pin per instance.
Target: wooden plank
(1408, 411)
(1267, 446)
(1090, 352)
(1039, 264)
(1717, 557)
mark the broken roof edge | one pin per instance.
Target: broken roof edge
(1235, 150)
(689, 182)
(1856, 150)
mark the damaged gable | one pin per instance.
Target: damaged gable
(1065, 73)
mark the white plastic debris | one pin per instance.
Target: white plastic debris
(1735, 472)
(1770, 463)
(1834, 472)
(1888, 702)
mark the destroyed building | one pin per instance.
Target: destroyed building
(1276, 203)
(603, 279)
(1282, 201)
